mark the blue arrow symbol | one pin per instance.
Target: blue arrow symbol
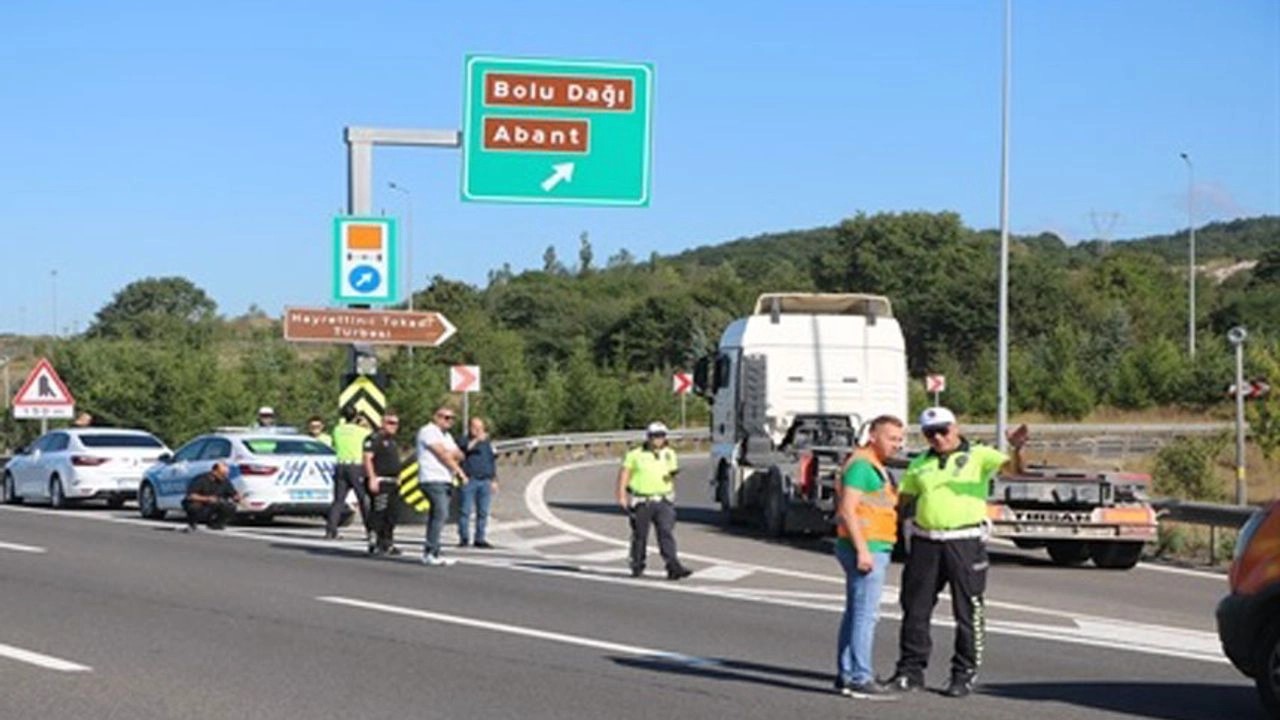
(364, 278)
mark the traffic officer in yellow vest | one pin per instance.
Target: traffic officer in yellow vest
(867, 528)
(949, 484)
(348, 474)
(646, 492)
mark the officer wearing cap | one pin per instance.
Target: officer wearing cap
(266, 417)
(646, 493)
(949, 484)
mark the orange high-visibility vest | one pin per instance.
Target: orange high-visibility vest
(877, 511)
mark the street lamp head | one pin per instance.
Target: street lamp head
(1237, 335)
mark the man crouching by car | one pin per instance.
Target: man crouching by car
(211, 499)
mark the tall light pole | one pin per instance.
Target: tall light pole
(408, 240)
(4, 365)
(1237, 336)
(1191, 253)
(54, 289)
(1002, 398)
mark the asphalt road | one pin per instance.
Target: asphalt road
(105, 615)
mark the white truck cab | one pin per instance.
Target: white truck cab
(791, 384)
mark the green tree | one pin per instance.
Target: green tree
(157, 309)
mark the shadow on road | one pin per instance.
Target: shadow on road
(1158, 701)
(786, 678)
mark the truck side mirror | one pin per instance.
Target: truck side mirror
(701, 373)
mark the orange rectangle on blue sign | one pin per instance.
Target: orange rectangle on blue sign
(364, 237)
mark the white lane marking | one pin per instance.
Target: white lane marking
(722, 573)
(602, 556)
(522, 631)
(535, 501)
(1155, 567)
(21, 548)
(41, 660)
(548, 541)
(512, 526)
(1220, 577)
(1102, 633)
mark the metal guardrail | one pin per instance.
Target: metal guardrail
(1232, 517)
(571, 445)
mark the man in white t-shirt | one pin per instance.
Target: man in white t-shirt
(438, 458)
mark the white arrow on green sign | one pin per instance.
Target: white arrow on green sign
(557, 131)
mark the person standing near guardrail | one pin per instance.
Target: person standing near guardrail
(481, 468)
(348, 473)
(947, 537)
(382, 467)
(867, 528)
(438, 464)
(646, 492)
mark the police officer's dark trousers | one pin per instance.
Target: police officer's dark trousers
(931, 564)
(383, 507)
(348, 476)
(214, 514)
(662, 515)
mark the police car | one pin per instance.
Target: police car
(276, 470)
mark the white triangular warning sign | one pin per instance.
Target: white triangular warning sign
(43, 394)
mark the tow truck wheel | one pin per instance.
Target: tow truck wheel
(1068, 552)
(1266, 672)
(774, 506)
(1115, 555)
(724, 483)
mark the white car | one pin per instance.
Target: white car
(276, 471)
(64, 467)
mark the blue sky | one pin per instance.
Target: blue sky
(205, 139)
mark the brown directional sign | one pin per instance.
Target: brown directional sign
(375, 327)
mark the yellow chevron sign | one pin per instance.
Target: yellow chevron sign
(410, 492)
(366, 397)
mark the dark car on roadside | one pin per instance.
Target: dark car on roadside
(1249, 617)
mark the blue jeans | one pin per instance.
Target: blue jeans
(478, 493)
(861, 611)
(438, 494)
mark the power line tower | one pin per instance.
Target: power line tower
(1103, 224)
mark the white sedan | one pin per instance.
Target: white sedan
(63, 467)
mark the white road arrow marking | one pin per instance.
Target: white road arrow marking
(563, 171)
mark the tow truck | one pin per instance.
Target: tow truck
(792, 386)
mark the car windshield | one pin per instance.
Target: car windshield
(120, 440)
(286, 446)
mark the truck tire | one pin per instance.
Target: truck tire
(1266, 669)
(1115, 555)
(773, 506)
(724, 487)
(1068, 552)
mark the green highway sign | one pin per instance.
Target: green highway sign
(571, 132)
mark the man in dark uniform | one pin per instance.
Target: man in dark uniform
(211, 499)
(949, 485)
(382, 467)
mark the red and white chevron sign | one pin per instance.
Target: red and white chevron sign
(681, 383)
(464, 378)
(935, 383)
